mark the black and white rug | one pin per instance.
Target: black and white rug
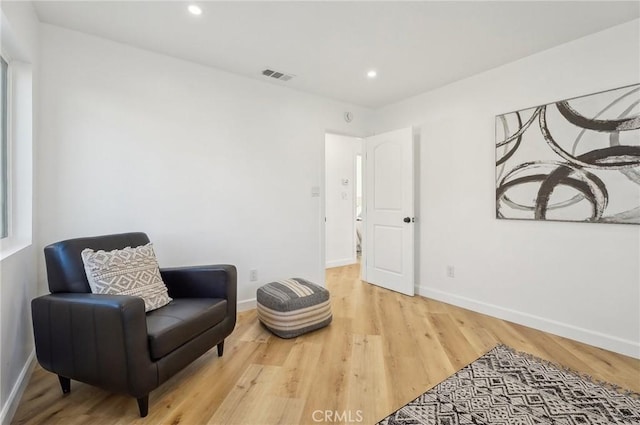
(507, 387)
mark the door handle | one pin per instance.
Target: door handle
(407, 220)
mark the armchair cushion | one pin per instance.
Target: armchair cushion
(127, 271)
(180, 321)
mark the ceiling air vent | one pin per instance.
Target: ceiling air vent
(277, 75)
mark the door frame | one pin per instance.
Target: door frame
(416, 202)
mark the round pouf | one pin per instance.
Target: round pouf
(292, 307)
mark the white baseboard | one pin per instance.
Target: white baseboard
(245, 305)
(598, 339)
(340, 263)
(10, 406)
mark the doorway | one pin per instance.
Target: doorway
(369, 204)
(343, 200)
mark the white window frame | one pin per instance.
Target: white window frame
(5, 154)
(20, 156)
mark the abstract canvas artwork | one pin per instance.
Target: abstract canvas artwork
(572, 160)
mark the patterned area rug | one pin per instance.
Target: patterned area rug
(506, 387)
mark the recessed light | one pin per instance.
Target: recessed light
(372, 73)
(194, 9)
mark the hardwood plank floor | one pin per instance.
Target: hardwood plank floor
(382, 350)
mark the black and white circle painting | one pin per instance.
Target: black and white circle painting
(572, 160)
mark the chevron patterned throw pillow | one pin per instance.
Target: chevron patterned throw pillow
(128, 271)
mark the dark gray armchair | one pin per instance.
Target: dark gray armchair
(109, 341)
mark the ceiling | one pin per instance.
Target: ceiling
(330, 46)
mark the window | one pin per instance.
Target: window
(16, 144)
(4, 152)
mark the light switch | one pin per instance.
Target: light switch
(345, 182)
(315, 191)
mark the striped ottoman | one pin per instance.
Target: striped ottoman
(292, 307)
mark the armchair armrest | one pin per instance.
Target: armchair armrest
(97, 339)
(215, 281)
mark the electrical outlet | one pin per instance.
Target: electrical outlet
(451, 271)
(253, 275)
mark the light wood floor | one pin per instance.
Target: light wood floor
(382, 350)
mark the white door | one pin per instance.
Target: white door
(389, 220)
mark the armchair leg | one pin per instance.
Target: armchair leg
(65, 383)
(220, 348)
(143, 405)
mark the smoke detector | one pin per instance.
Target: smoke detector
(277, 75)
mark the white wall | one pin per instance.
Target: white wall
(216, 168)
(18, 277)
(574, 279)
(340, 164)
